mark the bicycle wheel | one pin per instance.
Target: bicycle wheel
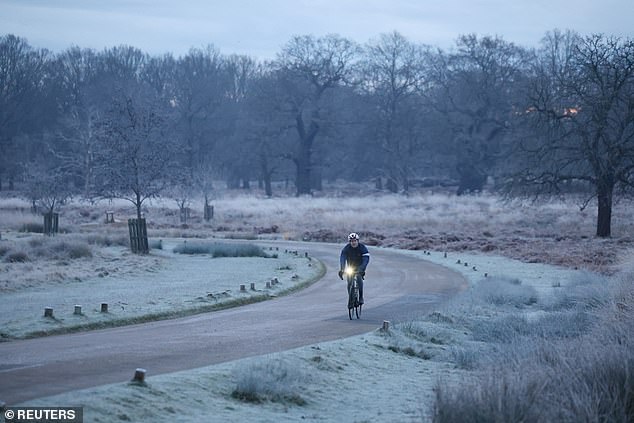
(353, 300)
(357, 305)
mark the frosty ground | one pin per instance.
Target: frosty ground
(137, 289)
(379, 376)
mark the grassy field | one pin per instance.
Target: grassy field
(547, 339)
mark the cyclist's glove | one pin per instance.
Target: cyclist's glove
(341, 274)
(362, 274)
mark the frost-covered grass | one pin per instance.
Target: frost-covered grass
(527, 342)
(565, 366)
(220, 249)
(137, 288)
(270, 380)
(556, 231)
(435, 367)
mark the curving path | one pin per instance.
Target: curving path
(398, 287)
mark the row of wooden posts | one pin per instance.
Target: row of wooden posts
(269, 284)
(48, 311)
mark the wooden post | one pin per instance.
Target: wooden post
(139, 376)
(48, 311)
(104, 307)
(109, 217)
(252, 286)
(77, 309)
(243, 288)
(268, 285)
(386, 326)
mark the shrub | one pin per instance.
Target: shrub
(569, 366)
(220, 249)
(107, 240)
(499, 396)
(587, 292)
(501, 291)
(510, 328)
(60, 248)
(76, 250)
(466, 358)
(17, 257)
(273, 380)
(505, 329)
(4, 249)
(33, 227)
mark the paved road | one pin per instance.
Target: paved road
(398, 287)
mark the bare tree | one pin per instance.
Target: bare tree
(583, 106)
(262, 131)
(394, 71)
(22, 74)
(136, 158)
(46, 184)
(75, 74)
(478, 89)
(308, 68)
(200, 88)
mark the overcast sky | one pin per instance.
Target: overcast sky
(259, 28)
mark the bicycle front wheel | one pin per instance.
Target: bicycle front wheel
(353, 302)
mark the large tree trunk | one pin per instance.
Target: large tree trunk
(604, 213)
(303, 159)
(302, 178)
(265, 175)
(138, 204)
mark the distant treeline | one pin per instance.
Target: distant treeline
(125, 124)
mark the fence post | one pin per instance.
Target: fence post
(138, 236)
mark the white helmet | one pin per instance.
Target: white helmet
(352, 236)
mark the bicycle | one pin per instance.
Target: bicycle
(353, 292)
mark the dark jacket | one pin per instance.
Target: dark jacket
(357, 257)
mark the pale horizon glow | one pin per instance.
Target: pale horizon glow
(260, 29)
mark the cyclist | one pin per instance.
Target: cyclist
(356, 255)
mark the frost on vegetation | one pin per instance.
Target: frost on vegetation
(270, 379)
(46, 248)
(216, 249)
(501, 291)
(568, 362)
(415, 339)
(586, 291)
